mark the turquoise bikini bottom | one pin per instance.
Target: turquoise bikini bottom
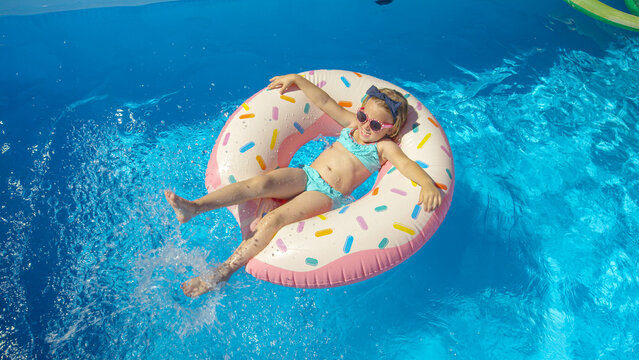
(314, 182)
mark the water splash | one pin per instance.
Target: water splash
(158, 276)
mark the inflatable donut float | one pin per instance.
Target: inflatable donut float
(347, 244)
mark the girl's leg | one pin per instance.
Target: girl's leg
(303, 206)
(280, 184)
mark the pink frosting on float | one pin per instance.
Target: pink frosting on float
(338, 273)
(328, 266)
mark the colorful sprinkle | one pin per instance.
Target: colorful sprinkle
(391, 170)
(381, 208)
(422, 164)
(312, 72)
(321, 84)
(261, 162)
(404, 228)
(413, 183)
(383, 243)
(416, 210)
(323, 232)
(345, 104)
(300, 227)
(419, 106)
(433, 121)
(232, 179)
(345, 81)
(298, 127)
(247, 116)
(375, 191)
(310, 261)
(343, 210)
(287, 98)
(441, 186)
(362, 223)
(246, 147)
(421, 143)
(446, 151)
(280, 244)
(273, 139)
(415, 128)
(245, 106)
(398, 191)
(449, 174)
(406, 96)
(321, 216)
(348, 244)
(358, 74)
(226, 139)
(276, 112)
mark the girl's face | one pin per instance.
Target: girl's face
(374, 112)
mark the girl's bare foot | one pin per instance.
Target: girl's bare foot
(184, 209)
(205, 283)
(195, 287)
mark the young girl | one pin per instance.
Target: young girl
(364, 145)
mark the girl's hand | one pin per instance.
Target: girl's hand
(282, 82)
(430, 197)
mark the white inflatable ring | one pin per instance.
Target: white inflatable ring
(348, 244)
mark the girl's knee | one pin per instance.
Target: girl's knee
(272, 221)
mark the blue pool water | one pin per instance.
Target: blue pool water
(101, 109)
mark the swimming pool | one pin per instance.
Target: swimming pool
(101, 109)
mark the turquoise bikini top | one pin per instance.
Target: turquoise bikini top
(367, 153)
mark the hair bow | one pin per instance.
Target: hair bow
(392, 104)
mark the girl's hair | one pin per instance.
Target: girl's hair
(402, 111)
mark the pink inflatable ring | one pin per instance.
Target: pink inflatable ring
(351, 243)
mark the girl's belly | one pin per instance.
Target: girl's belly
(340, 169)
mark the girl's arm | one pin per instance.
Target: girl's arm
(318, 96)
(430, 197)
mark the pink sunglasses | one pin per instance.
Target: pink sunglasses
(375, 125)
